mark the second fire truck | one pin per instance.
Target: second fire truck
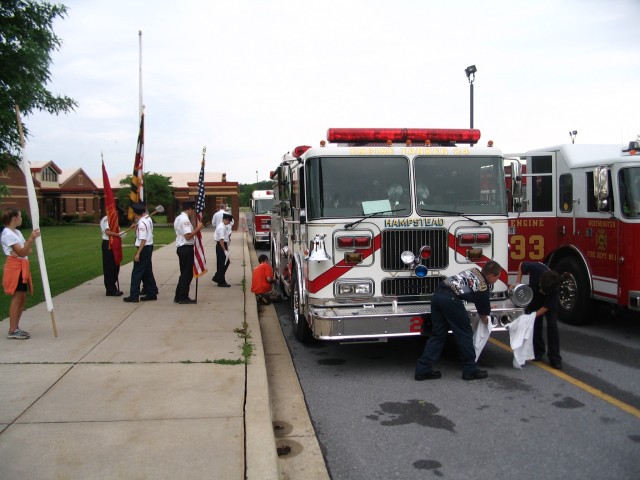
(259, 222)
(577, 209)
(364, 230)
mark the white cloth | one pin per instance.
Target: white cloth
(481, 335)
(521, 338)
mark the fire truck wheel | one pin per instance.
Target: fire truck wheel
(574, 294)
(301, 329)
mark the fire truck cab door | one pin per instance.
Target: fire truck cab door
(535, 230)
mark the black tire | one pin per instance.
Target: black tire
(574, 293)
(301, 329)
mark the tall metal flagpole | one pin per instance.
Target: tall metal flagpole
(35, 221)
(140, 104)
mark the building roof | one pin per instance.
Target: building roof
(37, 166)
(178, 179)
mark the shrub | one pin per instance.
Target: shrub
(26, 219)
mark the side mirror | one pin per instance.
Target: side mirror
(601, 187)
(516, 185)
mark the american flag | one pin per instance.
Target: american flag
(199, 261)
(135, 195)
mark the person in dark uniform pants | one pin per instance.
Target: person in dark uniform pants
(222, 250)
(185, 238)
(110, 268)
(544, 283)
(448, 311)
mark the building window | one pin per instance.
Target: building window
(49, 175)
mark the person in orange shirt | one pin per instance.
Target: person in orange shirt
(16, 278)
(261, 283)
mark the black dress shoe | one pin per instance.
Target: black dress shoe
(225, 284)
(557, 364)
(215, 278)
(428, 376)
(187, 301)
(114, 294)
(149, 298)
(175, 300)
(130, 299)
(477, 375)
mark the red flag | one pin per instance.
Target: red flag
(115, 243)
(135, 195)
(199, 261)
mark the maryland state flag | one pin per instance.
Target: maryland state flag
(135, 195)
(115, 243)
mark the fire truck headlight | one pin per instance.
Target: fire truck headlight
(421, 271)
(407, 257)
(354, 288)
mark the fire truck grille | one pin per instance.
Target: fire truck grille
(392, 287)
(394, 242)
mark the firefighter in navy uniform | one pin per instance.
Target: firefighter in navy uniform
(448, 311)
(544, 283)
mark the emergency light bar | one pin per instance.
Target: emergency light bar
(402, 135)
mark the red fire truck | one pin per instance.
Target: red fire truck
(577, 209)
(364, 231)
(259, 223)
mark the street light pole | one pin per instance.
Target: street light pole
(471, 75)
(573, 134)
(256, 176)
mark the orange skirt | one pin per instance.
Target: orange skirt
(13, 268)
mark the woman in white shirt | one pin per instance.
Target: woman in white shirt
(16, 277)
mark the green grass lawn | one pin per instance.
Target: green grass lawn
(74, 255)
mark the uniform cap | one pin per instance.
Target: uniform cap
(188, 204)
(227, 216)
(138, 208)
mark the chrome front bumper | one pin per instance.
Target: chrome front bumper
(383, 321)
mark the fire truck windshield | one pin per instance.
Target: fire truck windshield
(468, 185)
(345, 187)
(263, 206)
(630, 191)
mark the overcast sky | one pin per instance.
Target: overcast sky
(252, 79)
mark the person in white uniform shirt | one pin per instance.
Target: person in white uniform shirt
(217, 217)
(142, 264)
(110, 268)
(222, 251)
(185, 238)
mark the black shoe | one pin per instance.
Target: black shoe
(557, 364)
(225, 284)
(130, 299)
(215, 278)
(477, 375)
(149, 298)
(175, 300)
(428, 376)
(114, 294)
(187, 301)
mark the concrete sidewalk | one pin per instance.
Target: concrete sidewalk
(145, 390)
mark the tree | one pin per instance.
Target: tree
(158, 190)
(247, 189)
(26, 42)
